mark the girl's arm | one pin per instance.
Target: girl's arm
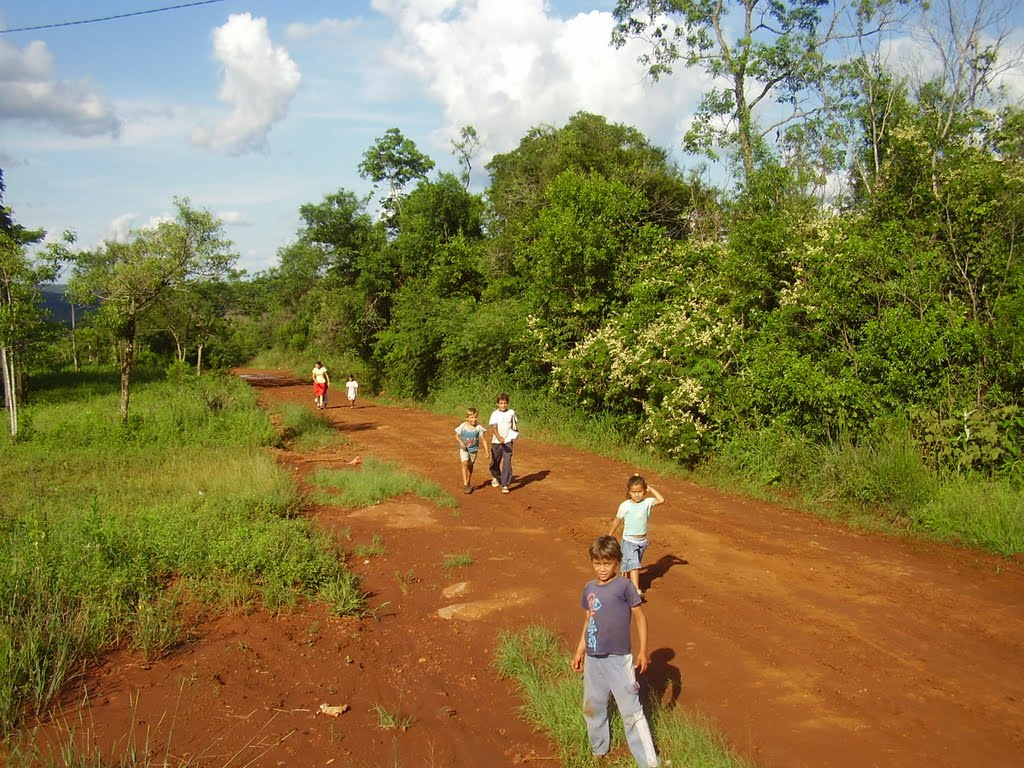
(658, 498)
(615, 524)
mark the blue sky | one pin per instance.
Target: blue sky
(252, 108)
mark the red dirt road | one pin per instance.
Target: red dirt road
(805, 644)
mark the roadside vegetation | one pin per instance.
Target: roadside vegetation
(537, 661)
(109, 527)
(373, 481)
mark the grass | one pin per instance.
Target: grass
(308, 430)
(372, 482)
(390, 720)
(457, 561)
(107, 529)
(375, 548)
(537, 661)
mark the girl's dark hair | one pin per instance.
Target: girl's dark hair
(318, 364)
(636, 479)
(605, 548)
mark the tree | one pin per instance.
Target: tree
(780, 56)
(395, 159)
(20, 317)
(466, 149)
(129, 278)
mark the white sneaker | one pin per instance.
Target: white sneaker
(495, 483)
(504, 489)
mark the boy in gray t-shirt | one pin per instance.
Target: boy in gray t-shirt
(611, 604)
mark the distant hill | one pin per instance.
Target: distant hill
(55, 300)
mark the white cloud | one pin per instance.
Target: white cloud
(505, 68)
(325, 28)
(29, 93)
(234, 217)
(119, 229)
(259, 82)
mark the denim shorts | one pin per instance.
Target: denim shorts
(632, 554)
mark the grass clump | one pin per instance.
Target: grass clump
(372, 482)
(375, 548)
(537, 660)
(457, 561)
(307, 429)
(107, 529)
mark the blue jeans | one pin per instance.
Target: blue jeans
(501, 462)
(615, 674)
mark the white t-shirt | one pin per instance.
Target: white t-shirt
(352, 386)
(320, 375)
(505, 424)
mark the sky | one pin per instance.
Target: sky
(253, 108)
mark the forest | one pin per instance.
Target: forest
(838, 271)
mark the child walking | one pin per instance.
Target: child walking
(611, 606)
(353, 387)
(505, 431)
(468, 434)
(321, 381)
(633, 513)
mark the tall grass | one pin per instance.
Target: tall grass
(878, 482)
(308, 429)
(100, 518)
(537, 660)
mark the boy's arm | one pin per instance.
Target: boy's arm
(658, 498)
(581, 646)
(641, 658)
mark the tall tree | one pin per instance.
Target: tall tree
(129, 278)
(394, 159)
(776, 70)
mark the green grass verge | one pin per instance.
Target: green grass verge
(308, 429)
(538, 662)
(100, 519)
(372, 482)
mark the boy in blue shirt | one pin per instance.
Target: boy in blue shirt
(611, 605)
(468, 433)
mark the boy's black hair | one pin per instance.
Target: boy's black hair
(503, 396)
(605, 548)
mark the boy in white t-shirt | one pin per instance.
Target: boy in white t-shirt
(504, 431)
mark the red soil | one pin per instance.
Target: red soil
(804, 643)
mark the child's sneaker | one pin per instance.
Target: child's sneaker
(468, 489)
(504, 489)
(495, 483)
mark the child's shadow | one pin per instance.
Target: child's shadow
(664, 683)
(532, 478)
(655, 571)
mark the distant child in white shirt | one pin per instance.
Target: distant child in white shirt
(504, 431)
(352, 386)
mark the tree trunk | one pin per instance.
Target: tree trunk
(74, 340)
(199, 360)
(126, 365)
(10, 396)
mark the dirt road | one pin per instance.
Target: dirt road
(805, 644)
